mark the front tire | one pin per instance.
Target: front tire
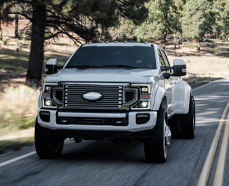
(47, 147)
(187, 122)
(155, 146)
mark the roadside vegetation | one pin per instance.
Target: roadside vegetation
(18, 107)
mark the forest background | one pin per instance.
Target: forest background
(32, 31)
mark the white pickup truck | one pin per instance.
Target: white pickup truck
(115, 91)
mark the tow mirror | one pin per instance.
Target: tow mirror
(51, 66)
(179, 67)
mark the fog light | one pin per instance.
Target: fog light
(142, 118)
(45, 116)
(144, 104)
(48, 102)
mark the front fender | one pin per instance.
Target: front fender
(159, 98)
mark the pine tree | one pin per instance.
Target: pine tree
(51, 18)
(218, 9)
(225, 21)
(198, 20)
(162, 20)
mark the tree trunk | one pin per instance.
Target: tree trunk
(175, 42)
(178, 42)
(0, 20)
(198, 48)
(36, 57)
(16, 25)
(165, 39)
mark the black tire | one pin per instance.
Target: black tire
(188, 122)
(174, 124)
(155, 146)
(47, 147)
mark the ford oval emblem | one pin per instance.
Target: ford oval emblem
(92, 96)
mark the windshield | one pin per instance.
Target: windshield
(113, 57)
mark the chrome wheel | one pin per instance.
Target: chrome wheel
(164, 140)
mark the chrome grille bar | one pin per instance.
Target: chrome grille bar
(112, 95)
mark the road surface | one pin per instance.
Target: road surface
(104, 163)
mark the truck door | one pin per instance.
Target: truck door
(170, 84)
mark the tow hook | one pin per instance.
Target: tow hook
(167, 135)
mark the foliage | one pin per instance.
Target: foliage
(198, 19)
(218, 8)
(225, 21)
(163, 19)
(79, 20)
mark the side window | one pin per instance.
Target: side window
(161, 58)
(165, 58)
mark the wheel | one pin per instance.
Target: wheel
(187, 122)
(155, 146)
(174, 124)
(47, 147)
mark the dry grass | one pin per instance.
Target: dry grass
(18, 108)
(204, 69)
(15, 144)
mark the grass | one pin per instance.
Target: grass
(15, 144)
(13, 62)
(18, 108)
(15, 140)
(195, 81)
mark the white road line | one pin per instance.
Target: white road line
(16, 159)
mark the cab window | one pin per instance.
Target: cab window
(161, 58)
(165, 58)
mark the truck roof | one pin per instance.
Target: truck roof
(130, 44)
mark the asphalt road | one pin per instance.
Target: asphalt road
(104, 163)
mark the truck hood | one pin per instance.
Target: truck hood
(103, 75)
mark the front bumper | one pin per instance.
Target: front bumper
(131, 126)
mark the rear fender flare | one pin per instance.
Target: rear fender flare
(183, 97)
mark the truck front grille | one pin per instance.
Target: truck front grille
(112, 96)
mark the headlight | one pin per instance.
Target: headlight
(142, 105)
(145, 96)
(48, 102)
(49, 95)
(48, 88)
(145, 89)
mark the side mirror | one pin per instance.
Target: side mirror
(179, 67)
(51, 66)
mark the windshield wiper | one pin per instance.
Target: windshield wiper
(124, 66)
(84, 66)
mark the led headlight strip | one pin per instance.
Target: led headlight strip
(144, 102)
(48, 95)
